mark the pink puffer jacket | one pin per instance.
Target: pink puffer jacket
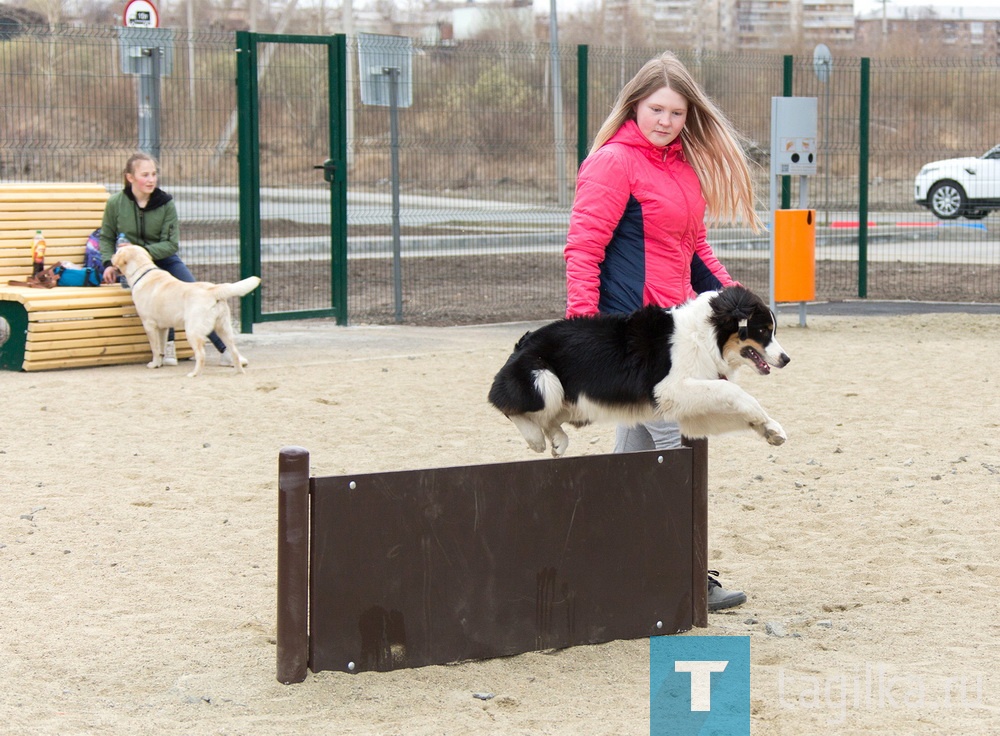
(637, 224)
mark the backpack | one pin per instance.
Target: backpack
(92, 256)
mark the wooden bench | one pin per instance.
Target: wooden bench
(63, 327)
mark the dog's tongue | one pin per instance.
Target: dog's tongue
(762, 366)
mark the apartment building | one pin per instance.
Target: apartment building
(961, 30)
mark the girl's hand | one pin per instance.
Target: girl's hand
(110, 275)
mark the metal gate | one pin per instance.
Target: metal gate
(292, 100)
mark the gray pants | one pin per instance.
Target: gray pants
(657, 435)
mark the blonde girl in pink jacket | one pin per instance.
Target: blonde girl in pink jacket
(664, 160)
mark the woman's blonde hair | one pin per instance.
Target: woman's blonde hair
(711, 143)
(132, 161)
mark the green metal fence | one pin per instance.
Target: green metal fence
(487, 164)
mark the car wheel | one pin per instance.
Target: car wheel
(947, 200)
(975, 214)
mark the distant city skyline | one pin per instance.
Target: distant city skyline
(864, 6)
(860, 6)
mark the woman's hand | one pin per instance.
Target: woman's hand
(110, 275)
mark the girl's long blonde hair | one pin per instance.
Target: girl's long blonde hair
(711, 143)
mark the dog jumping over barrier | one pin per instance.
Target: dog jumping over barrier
(651, 364)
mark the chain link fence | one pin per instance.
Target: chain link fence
(487, 163)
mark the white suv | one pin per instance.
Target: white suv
(969, 187)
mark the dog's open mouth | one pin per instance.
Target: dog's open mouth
(758, 361)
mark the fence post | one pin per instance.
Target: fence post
(582, 122)
(699, 529)
(293, 564)
(787, 91)
(248, 137)
(863, 144)
(337, 90)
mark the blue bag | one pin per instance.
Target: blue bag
(72, 275)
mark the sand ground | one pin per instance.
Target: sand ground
(137, 538)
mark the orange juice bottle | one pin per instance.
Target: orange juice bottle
(38, 253)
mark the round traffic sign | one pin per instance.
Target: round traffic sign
(140, 14)
(822, 62)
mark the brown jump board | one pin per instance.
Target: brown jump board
(445, 565)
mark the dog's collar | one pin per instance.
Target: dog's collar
(151, 268)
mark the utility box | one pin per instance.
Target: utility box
(793, 136)
(794, 255)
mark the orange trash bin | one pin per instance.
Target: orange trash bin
(794, 255)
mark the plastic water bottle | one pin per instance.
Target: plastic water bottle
(122, 240)
(38, 253)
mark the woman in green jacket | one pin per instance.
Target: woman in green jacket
(146, 215)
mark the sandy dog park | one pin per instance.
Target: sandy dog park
(138, 534)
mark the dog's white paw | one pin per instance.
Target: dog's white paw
(153, 364)
(537, 446)
(531, 432)
(774, 434)
(559, 443)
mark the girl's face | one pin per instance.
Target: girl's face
(143, 177)
(661, 116)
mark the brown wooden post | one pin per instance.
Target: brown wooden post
(293, 564)
(699, 530)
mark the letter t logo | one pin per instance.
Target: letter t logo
(701, 680)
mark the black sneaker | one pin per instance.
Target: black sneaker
(720, 598)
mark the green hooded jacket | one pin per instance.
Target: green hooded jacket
(155, 227)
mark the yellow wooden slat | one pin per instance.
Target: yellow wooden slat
(46, 307)
(108, 327)
(43, 188)
(55, 250)
(93, 346)
(90, 341)
(19, 293)
(70, 314)
(111, 293)
(12, 205)
(51, 229)
(95, 355)
(95, 362)
(56, 209)
(85, 297)
(52, 256)
(60, 352)
(45, 192)
(17, 242)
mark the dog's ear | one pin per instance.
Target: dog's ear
(737, 304)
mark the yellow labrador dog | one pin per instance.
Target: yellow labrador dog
(163, 301)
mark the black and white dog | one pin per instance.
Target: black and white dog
(654, 363)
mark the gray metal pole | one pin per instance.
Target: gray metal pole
(149, 104)
(397, 275)
(557, 107)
